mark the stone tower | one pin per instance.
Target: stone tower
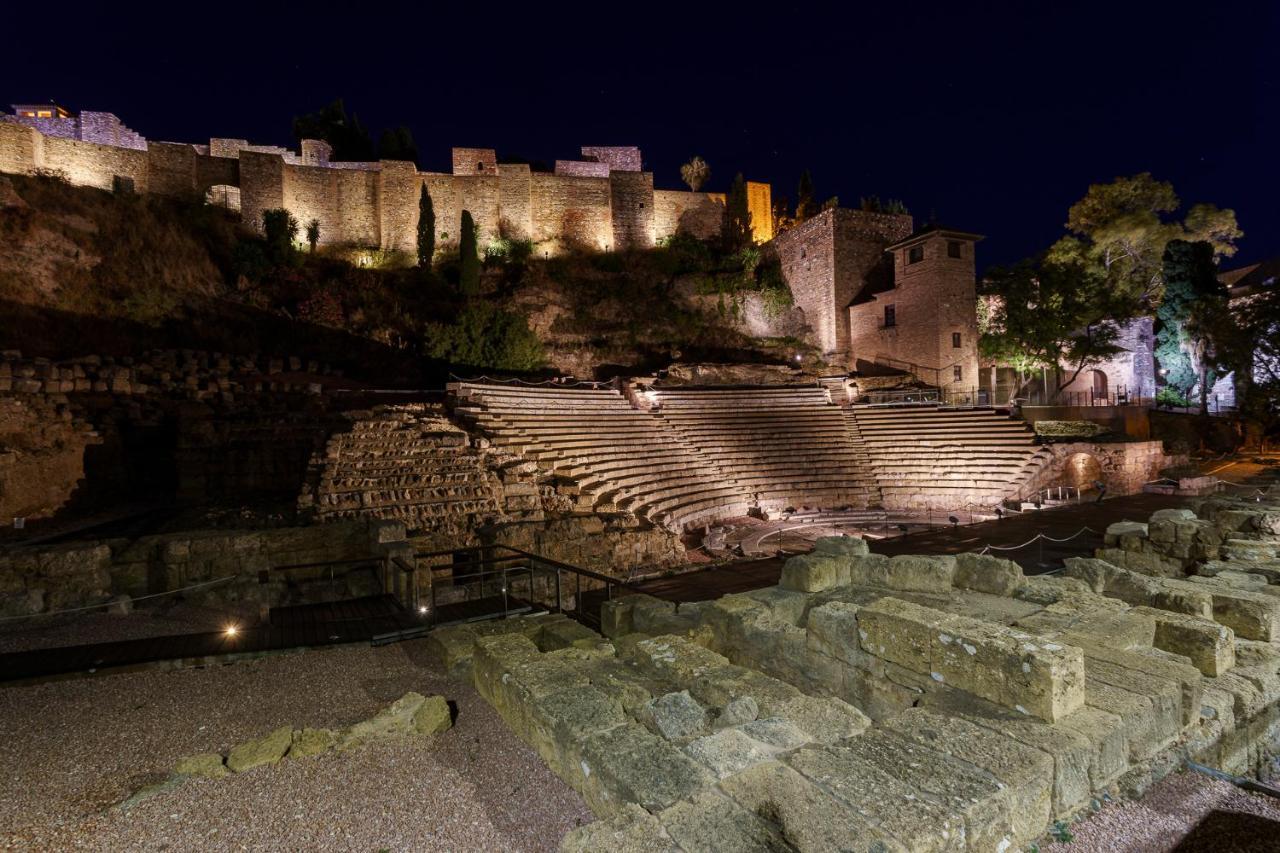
(927, 322)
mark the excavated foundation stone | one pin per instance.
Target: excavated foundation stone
(918, 703)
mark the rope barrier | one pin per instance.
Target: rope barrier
(1035, 539)
(105, 603)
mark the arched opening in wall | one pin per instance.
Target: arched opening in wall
(223, 195)
(1081, 471)
(1099, 384)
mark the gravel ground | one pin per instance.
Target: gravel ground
(1187, 812)
(101, 627)
(70, 750)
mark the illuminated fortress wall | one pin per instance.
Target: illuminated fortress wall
(603, 202)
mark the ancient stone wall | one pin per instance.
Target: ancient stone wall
(618, 158)
(515, 201)
(261, 186)
(699, 214)
(42, 450)
(631, 205)
(829, 260)
(1124, 466)
(572, 211)
(230, 567)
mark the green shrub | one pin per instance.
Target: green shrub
(1170, 397)
(486, 336)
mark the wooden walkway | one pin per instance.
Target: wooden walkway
(302, 626)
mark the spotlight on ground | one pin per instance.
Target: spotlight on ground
(999, 513)
(955, 522)
(903, 528)
(232, 630)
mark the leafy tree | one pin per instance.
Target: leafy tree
(349, 138)
(486, 336)
(695, 173)
(737, 213)
(281, 229)
(313, 234)
(782, 219)
(806, 207)
(469, 257)
(1121, 229)
(1193, 312)
(1049, 316)
(831, 203)
(397, 144)
(426, 228)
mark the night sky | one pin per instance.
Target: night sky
(991, 118)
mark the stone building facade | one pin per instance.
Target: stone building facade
(602, 202)
(878, 294)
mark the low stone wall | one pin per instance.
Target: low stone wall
(45, 579)
(42, 450)
(1124, 466)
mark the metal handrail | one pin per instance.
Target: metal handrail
(512, 564)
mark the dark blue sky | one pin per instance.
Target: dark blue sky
(992, 117)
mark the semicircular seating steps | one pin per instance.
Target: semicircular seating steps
(929, 456)
(703, 454)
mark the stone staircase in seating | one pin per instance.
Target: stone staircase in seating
(787, 446)
(926, 456)
(626, 459)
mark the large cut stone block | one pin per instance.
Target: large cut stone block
(833, 631)
(814, 572)
(632, 829)
(984, 573)
(713, 823)
(629, 765)
(807, 817)
(844, 546)
(1209, 645)
(985, 804)
(892, 806)
(1010, 668)
(1027, 771)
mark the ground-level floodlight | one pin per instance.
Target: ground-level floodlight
(1102, 490)
(999, 513)
(955, 522)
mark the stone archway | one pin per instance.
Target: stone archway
(1081, 470)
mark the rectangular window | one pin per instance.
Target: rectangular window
(958, 372)
(915, 254)
(44, 114)
(955, 340)
(890, 316)
(953, 249)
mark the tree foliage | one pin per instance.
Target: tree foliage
(737, 216)
(469, 257)
(1047, 314)
(313, 234)
(426, 228)
(280, 228)
(397, 144)
(485, 336)
(695, 173)
(348, 137)
(1192, 317)
(1251, 347)
(1121, 229)
(806, 207)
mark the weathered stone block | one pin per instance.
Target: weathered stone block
(1209, 645)
(729, 751)
(629, 765)
(632, 829)
(844, 546)
(984, 573)
(264, 750)
(833, 631)
(713, 823)
(1026, 771)
(807, 817)
(1012, 669)
(814, 572)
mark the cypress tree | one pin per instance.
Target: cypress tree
(737, 231)
(805, 206)
(469, 267)
(426, 229)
